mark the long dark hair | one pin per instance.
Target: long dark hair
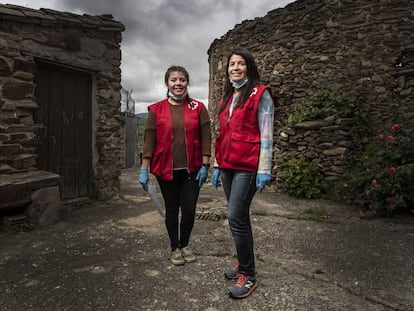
(252, 74)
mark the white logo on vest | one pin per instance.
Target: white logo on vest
(193, 105)
(254, 92)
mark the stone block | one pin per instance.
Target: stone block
(45, 207)
(16, 189)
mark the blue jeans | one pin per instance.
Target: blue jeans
(239, 188)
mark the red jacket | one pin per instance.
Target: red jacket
(238, 143)
(162, 160)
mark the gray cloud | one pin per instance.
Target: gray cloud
(160, 33)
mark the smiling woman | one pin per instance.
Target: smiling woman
(177, 149)
(177, 80)
(243, 151)
(237, 70)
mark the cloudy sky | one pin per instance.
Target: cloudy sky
(160, 33)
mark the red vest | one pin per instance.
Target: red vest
(238, 143)
(162, 160)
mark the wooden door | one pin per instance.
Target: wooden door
(64, 121)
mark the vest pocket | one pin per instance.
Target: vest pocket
(245, 137)
(243, 150)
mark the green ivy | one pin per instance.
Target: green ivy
(324, 103)
(301, 179)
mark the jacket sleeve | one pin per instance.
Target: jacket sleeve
(205, 132)
(149, 136)
(265, 117)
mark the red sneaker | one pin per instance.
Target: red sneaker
(232, 273)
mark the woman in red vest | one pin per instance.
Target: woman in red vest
(243, 151)
(177, 149)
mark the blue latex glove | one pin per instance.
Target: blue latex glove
(262, 180)
(143, 178)
(202, 175)
(215, 178)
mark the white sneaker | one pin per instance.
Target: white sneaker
(177, 257)
(188, 254)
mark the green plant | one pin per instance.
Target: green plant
(321, 104)
(301, 179)
(332, 190)
(381, 177)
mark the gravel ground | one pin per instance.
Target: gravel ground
(311, 255)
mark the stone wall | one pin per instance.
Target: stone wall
(91, 43)
(325, 44)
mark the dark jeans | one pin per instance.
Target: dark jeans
(239, 188)
(180, 192)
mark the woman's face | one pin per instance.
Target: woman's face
(177, 83)
(237, 68)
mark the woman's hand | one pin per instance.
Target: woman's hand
(215, 178)
(143, 178)
(262, 180)
(202, 175)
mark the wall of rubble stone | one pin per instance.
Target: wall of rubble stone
(91, 43)
(325, 44)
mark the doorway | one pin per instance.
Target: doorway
(64, 121)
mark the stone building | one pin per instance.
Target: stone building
(319, 44)
(61, 133)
